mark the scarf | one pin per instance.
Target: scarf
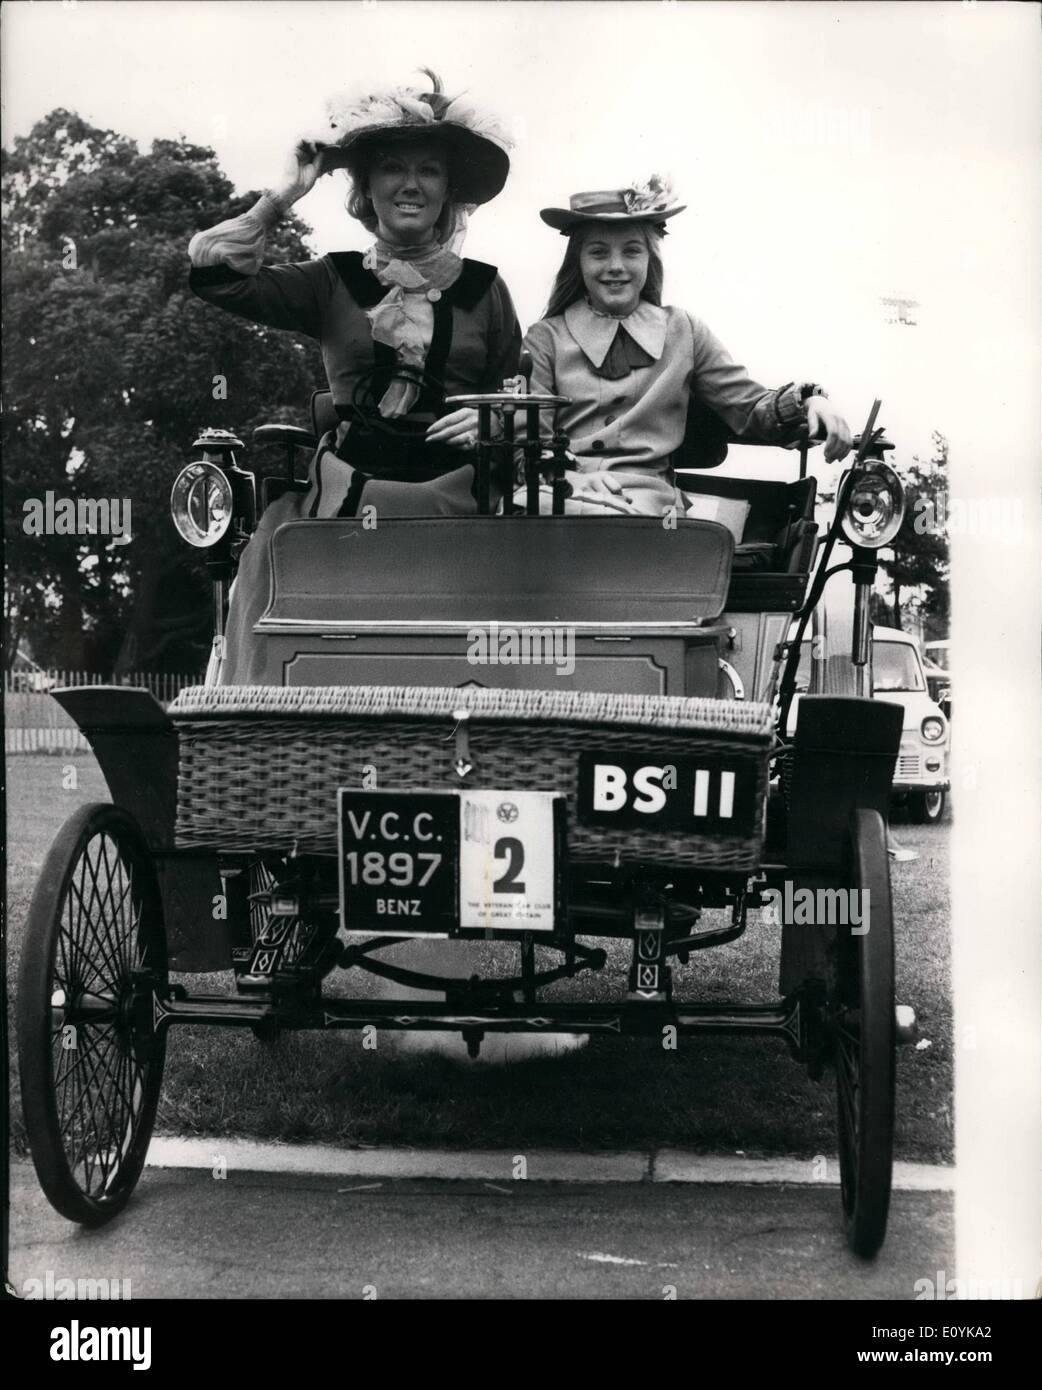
(416, 277)
(624, 354)
(623, 357)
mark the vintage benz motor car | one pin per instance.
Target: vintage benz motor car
(382, 785)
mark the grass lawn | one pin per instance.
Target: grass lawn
(713, 1094)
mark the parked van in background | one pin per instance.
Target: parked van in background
(921, 777)
(898, 676)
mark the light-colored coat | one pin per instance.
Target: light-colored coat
(632, 427)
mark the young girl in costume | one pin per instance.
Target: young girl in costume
(631, 364)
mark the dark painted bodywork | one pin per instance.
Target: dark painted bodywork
(135, 744)
(396, 604)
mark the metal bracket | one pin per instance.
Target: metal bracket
(650, 977)
(462, 764)
(733, 676)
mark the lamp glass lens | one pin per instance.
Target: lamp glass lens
(201, 504)
(875, 507)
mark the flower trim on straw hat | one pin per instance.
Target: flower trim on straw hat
(655, 195)
(650, 201)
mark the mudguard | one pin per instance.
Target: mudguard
(845, 751)
(136, 747)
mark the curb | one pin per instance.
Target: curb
(541, 1165)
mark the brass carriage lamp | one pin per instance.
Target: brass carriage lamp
(871, 510)
(213, 500)
(875, 505)
(213, 504)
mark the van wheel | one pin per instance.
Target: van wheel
(927, 808)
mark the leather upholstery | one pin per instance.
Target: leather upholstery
(510, 570)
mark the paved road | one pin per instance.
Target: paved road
(186, 1235)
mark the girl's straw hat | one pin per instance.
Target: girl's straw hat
(648, 202)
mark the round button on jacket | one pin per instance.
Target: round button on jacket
(597, 445)
(434, 295)
(609, 419)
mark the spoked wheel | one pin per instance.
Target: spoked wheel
(91, 1066)
(865, 1040)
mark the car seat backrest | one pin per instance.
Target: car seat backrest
(323, 413)
(506, 569)
(772, 562)
(773, 506)
(706, 438)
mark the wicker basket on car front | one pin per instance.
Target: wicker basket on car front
(260, 766)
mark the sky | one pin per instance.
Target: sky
(829, 155)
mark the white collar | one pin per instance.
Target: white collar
(595, 333)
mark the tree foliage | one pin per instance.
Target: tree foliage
(109, 375)
(920, 550)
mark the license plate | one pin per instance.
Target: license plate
(430, 863)
(399, 862)
(700, 795)
(508, 860)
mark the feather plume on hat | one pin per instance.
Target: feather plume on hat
(360, 119)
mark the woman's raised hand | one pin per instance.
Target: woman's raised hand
(305, 165)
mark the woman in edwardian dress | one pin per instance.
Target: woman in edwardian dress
(401, 327)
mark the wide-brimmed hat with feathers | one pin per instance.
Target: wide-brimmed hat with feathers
(652, 201)
(361, 121)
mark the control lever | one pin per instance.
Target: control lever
(508, 402)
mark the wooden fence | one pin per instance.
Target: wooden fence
(35, 723)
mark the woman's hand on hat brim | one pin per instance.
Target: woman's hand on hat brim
(304, 167)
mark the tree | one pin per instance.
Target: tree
(880, 611)
(109, 373)
(920, 549)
